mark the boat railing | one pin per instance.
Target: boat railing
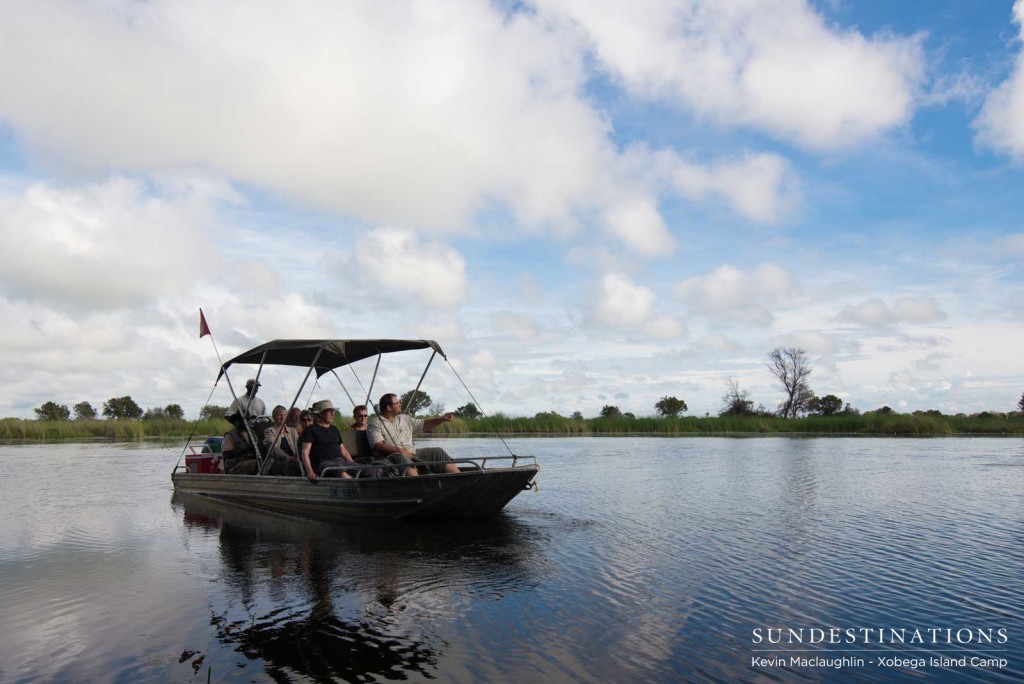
(466, 465)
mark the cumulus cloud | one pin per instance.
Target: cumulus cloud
(411, 116)
(620, 301)
(875, 313)
(775, 66)
(1000, 125)
(104, 245)
(637, 223)
(394, 258)
(761, 187)
(732, 295)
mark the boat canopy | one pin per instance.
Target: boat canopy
(326, 354)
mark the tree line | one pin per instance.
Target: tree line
(791, 369)
(115, 408)
(789, 366)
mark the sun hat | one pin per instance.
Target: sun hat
(321, 406)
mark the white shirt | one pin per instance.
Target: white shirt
(251, 406)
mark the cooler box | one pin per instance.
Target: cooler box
(203, 463)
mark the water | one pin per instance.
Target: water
(640, 559)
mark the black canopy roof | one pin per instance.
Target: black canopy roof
(332, 353)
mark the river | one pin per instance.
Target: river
(637, 560)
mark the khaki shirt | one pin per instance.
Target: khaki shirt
(398, 431)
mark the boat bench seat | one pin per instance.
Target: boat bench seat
(357, 444)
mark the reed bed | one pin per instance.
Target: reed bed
(548, 424)
(14, 429)
(865, 424)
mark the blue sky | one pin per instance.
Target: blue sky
(584, 202)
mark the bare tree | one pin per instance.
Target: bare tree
(735, 402)
(791, 368)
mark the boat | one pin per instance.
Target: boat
(482, 487)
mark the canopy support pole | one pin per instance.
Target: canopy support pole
(416, 392)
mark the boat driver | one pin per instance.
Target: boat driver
(249, 403)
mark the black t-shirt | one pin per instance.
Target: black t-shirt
(326, 443)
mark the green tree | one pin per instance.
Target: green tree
(828, 405)
(469, 411)
(84, 411)
(174, 411)
(670, 407)
(52, 411)
(121, 408)
(577, 415)
(211, 411)
(1020, 404)
(610, 411)
(415, 401)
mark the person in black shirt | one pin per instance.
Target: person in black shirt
(321, 444)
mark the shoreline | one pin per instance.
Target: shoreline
(178, 439)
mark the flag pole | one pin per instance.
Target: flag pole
(204, 330)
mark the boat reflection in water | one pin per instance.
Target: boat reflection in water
(349, 601)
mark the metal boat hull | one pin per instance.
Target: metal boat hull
(472, 494)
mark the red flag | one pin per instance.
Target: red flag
(204, 329)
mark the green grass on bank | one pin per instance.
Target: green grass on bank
(919, 425)
(14, 429)
(869, 424)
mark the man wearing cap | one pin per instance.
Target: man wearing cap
(321, 444)
(248, 404)
(390, 432)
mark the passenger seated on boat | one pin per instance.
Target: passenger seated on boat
(294, 419)
(359, 415)
(281, 444)
(322, 446)
(391, 431)
(237, 450)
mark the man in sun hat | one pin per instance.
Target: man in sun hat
(321, 444)
(248, 404)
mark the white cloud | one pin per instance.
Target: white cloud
(761, 187)
(415, 115)
(637, 223)
(665, 328)
(1000, 124)
(875, 313)
(1008, 247)
(101, 246)
(394, 261)
(776, 66)
(519, 325)
(620, 301)
(732, 295)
